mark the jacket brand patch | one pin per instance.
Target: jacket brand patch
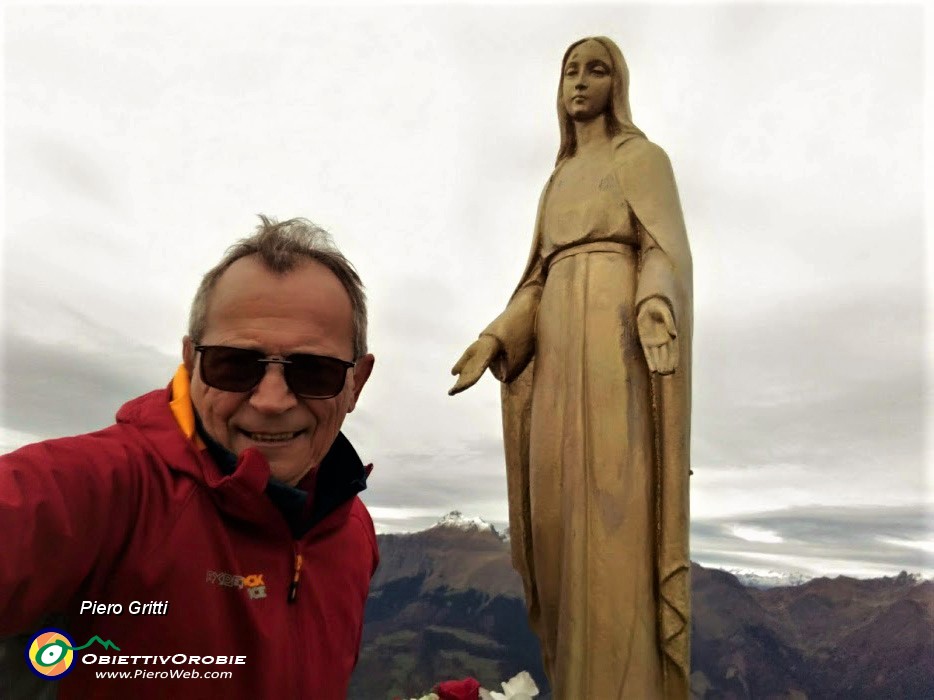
(254, 584)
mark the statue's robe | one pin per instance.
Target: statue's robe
(597, 447)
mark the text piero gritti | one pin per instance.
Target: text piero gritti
(136, 607)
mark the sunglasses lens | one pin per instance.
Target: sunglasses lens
(315, 377)
(231, 369)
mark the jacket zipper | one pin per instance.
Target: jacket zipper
(294, 624)
(296, 573)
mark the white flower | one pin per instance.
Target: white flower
(519, 687)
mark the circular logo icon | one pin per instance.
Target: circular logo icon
(50, 654)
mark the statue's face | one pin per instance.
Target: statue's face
(585, 89)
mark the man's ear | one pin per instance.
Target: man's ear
(361, 372)
(188, 355)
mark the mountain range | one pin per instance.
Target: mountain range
(445, 603)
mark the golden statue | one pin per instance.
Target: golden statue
(594, 353)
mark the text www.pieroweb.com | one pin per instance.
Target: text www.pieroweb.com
(172, 673)
(164, 673)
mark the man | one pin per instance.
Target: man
(214, 529)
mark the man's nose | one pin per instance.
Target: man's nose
(272, 394)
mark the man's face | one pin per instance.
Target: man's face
(304, 311)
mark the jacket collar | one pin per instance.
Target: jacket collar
(340, 476)
(242, 486)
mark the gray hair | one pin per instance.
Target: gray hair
(281, 247)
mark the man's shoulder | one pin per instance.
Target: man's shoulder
(146, 408)
(93, 448)
(126, 449)
(359, 512)
(354, 536)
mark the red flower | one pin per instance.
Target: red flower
(467, 689)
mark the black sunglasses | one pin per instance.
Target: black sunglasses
(238, 369)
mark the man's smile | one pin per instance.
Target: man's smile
(270, 438)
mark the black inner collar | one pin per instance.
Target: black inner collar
(341, 476)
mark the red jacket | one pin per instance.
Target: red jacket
(138, 512)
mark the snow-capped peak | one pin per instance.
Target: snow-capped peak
(458, 520)
(756, 578)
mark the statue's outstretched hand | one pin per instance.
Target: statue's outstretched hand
(658, 335)
(473, 362)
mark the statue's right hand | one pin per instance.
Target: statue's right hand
(473, 362)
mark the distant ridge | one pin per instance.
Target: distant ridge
(445, 603)
(755, 578)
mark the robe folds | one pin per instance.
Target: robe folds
(597, 447)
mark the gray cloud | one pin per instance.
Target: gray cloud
(819, 538)
(76, 170)
(443, 480)
(831, 385)
(795, 134)
(55, 390)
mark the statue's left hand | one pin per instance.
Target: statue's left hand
(658, 335)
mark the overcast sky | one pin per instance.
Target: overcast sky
(140, 142)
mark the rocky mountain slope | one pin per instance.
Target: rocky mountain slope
(445, 603)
